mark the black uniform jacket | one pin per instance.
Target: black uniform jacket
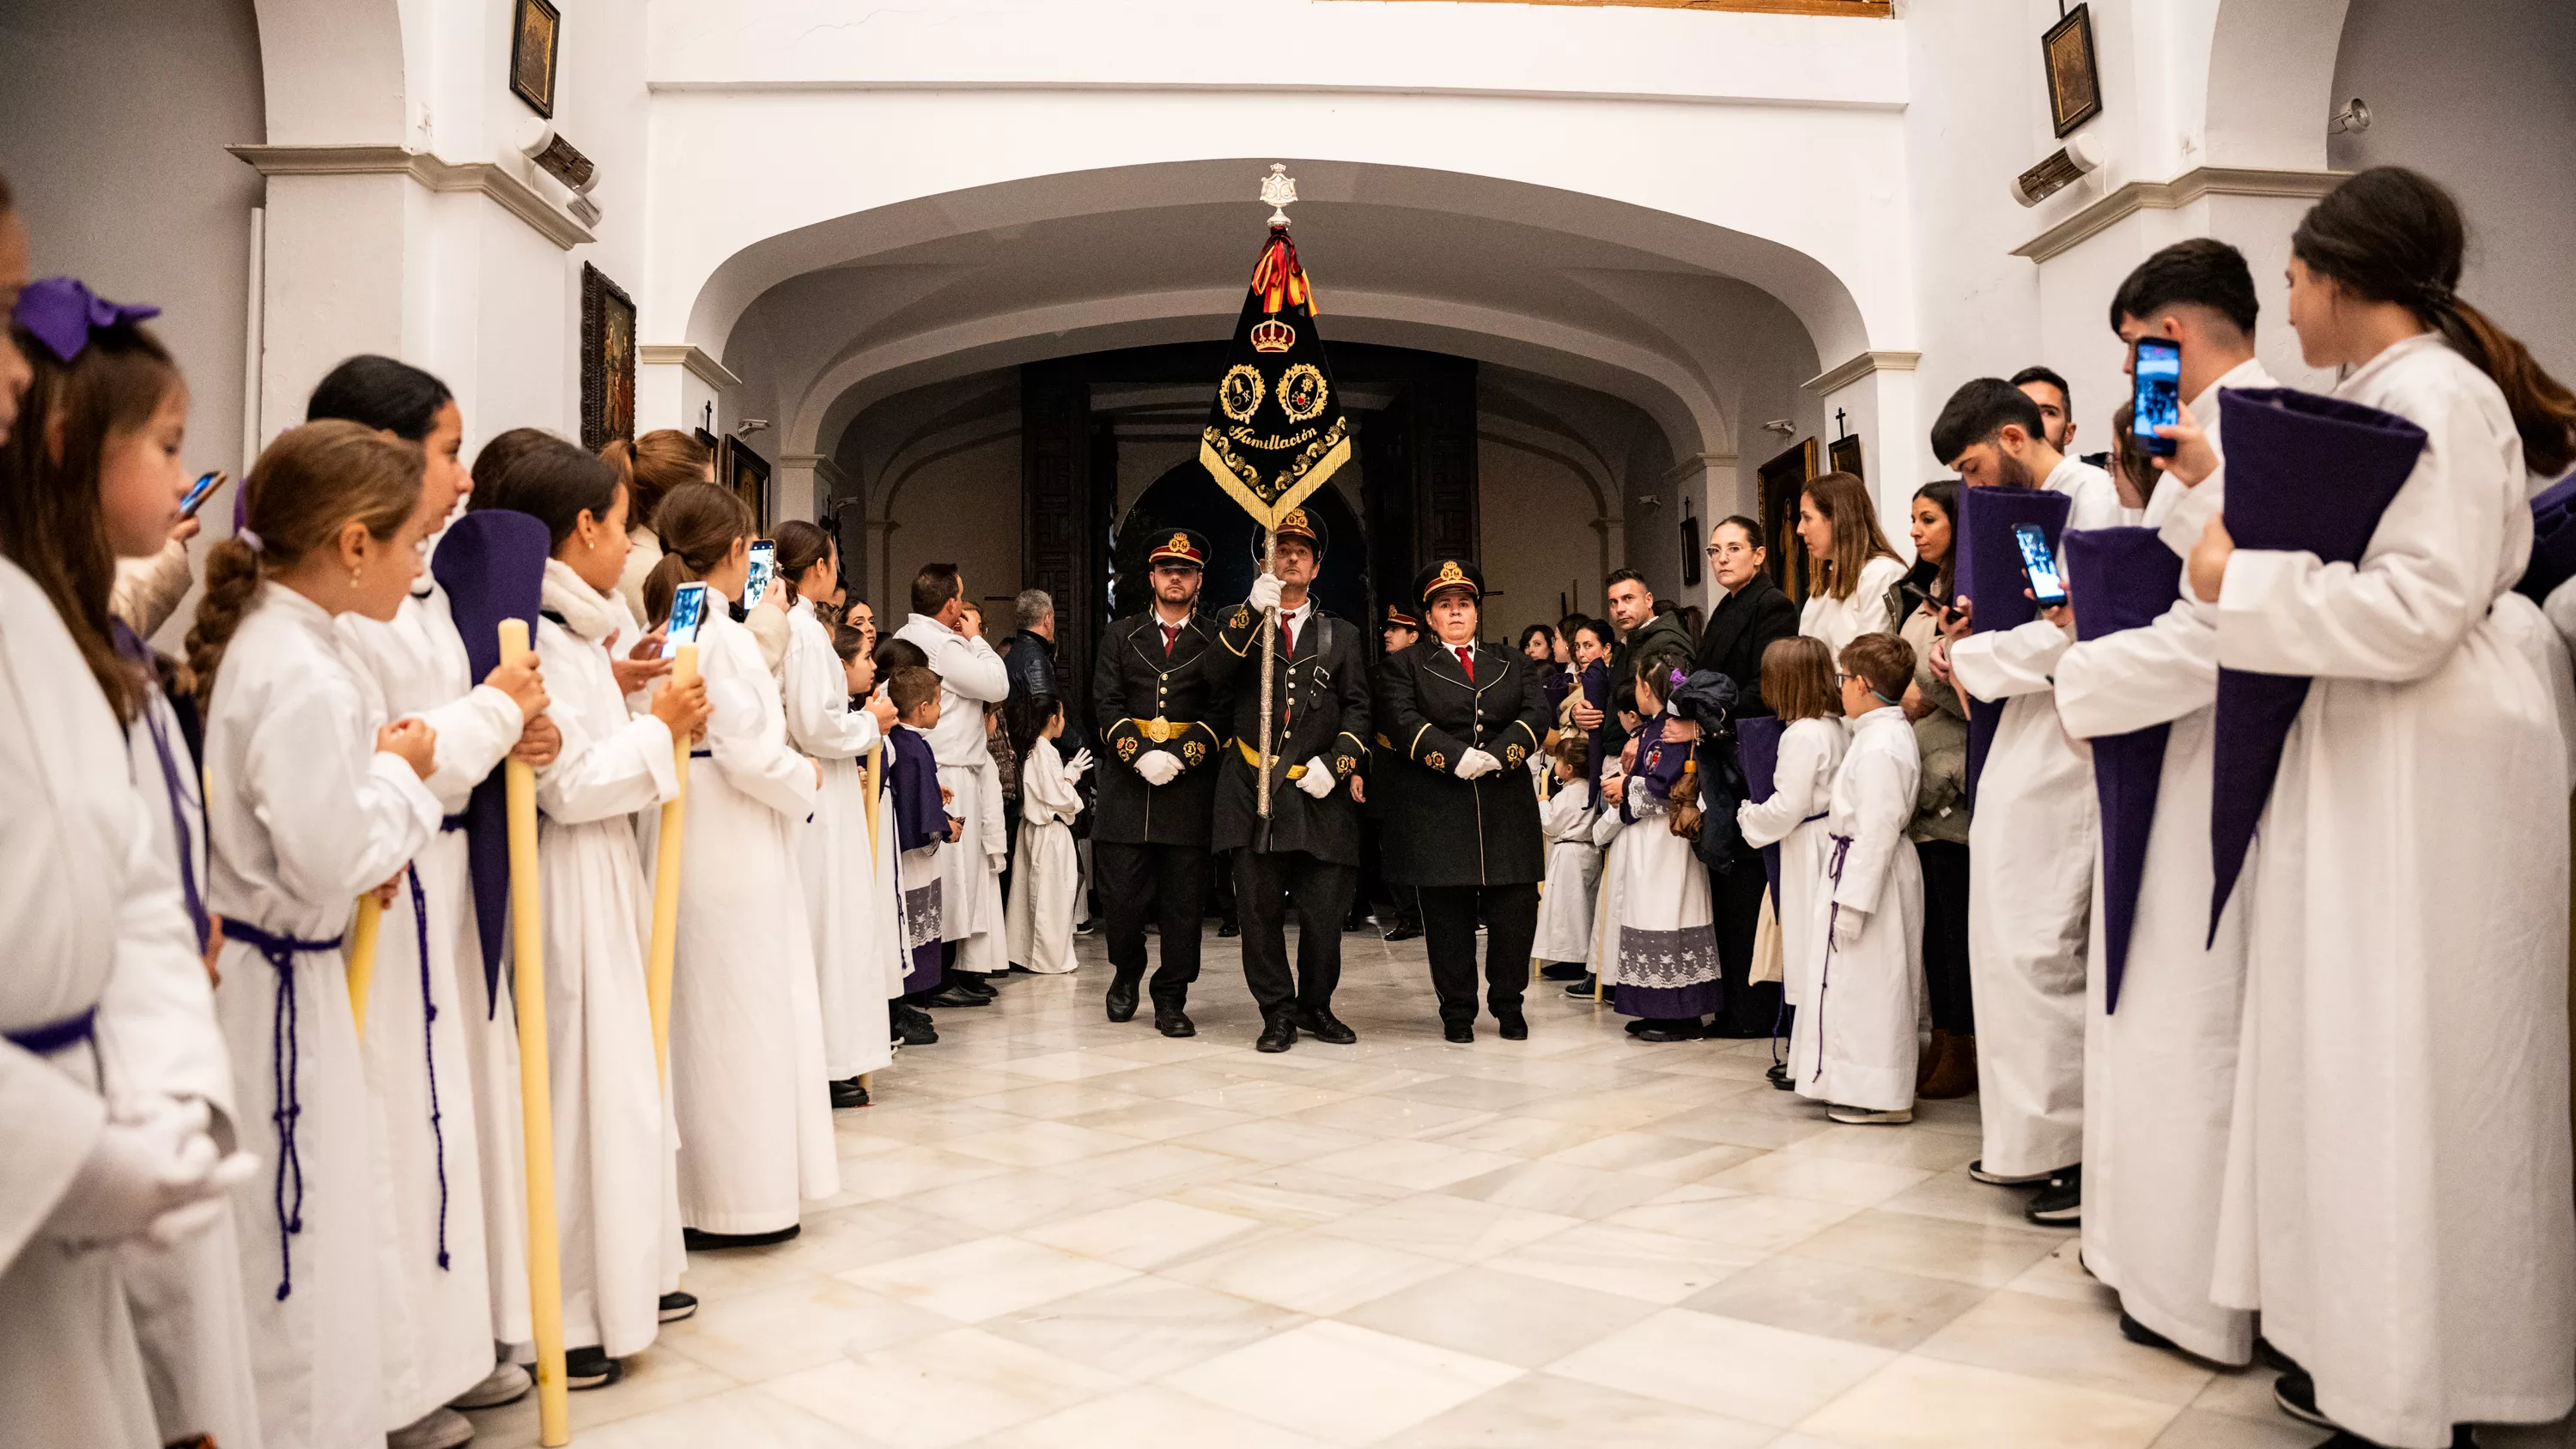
(1143, 700)
(1744, 624)
(1441, 830)
(1319, 709)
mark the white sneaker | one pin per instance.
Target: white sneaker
(437, 1429)
(506, 1384)
(1863, 1116)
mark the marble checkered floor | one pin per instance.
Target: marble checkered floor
(1056, 1233)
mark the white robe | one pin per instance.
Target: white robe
(1855, 1045)
(971, 676)
(1043, 887)
(747, 1069)
(2031, 846)
(303, 814)
(1573, 876)
(441, 1322)
(186, 1299)
(94, 920)
(1840, 621)
(2398, 1195)
(891, 952)
(2160, 1073)
(616, 1171)
(1802, 785)
(832, 853)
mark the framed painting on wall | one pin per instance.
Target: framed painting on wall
(607, 360)
(536, 36)
(1783, 480)
(2074, 85)
(747, 474)
(1845, 456)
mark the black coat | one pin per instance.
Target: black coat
(1137, 692)
(1321, 696)
(1030, 665)
(1739, 629)
(1441, 830)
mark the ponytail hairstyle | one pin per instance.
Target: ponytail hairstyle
(306, 486)
(386, 395)
(699, 524)
(2389, 234)
(507, 448)
(52, 523)
(549, 480)
(801, 545)
(1658, 671)
(1844, 501)
(654, 465)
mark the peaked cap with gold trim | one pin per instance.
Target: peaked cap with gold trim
(1447, 574)
(1182, 546)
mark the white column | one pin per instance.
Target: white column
(1875, 393)
(804, 485)
(674, 383)
(1704, 486)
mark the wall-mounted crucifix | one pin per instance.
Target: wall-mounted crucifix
(1840, 431)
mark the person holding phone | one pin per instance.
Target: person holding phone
(149, 587)
(2032, 841)
(2197, 298)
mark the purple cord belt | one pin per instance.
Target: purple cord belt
(53, 1036)
(284, 1067)
(1833, 919)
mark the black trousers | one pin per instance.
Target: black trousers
(1735, 900)
(1945, 934)
(1266, 886)
(1171, 881)
(1449, 931)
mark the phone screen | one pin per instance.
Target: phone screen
(688, 606)
(764, 563)
(198, 492)
(2156, 393)
(2041, 565)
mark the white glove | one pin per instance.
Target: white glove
(1848, 924)
(1317, 781)
(160, 1177)
(1265, 593)
(1159, 767)
(1474, 763)
(1075, 767)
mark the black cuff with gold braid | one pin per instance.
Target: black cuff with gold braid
(1348, 750)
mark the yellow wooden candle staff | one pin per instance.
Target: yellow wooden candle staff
(362, 957)
(665, 944)
(536, 1104)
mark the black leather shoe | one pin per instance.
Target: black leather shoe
(848, 1094)
(912, 1024)
(1563, 971)
(1404, 931)
(1581, 990)
(1172, 1021)
(1669, 1031)
(952, 996)
(1356, 921)
(1323, 1026)
(1515, 1026)
(973, 983)
(698, 1242)
(590, 1368)
(1460, 1033)
(676, 1305)
(1228, 927)
(1778, 1076)
(1727, 1030)
(1278, 1034)
(2141, 1335)
(1122, 996)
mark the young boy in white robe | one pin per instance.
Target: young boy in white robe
(746, 1055)
(1798, 683)
(1573, 864)
(312, 799)
(1854, 1045)
(614, 1140)
(832, 850)
(1047, 878)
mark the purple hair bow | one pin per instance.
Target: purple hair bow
(62, 313)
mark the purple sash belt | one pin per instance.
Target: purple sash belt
(53, 1036)
(284, 1067)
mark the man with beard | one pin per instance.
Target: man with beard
(2032, 843)
(1309, 847)
(1152, 706)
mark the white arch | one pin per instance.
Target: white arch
(2271, 82)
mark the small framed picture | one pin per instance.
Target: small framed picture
(1845, 455)
(2074, 86)
(607, 360)
(535, 38)
(747, 474)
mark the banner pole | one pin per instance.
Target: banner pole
(536, 1102)
(1269, 663)
(362, 956)
(665, 941)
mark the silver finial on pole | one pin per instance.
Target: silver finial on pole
(1278, 189)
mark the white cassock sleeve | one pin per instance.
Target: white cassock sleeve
(1885, 803)
(156, 1016)
(48, 1124)
(1045, 794)
(816, 695)
(2001, 663)
(342, 816)
(758, 764)
(2426, 579)
(2140, 677)
(968, 667)
(1561, 818)
(616, 774)
(1799, 789)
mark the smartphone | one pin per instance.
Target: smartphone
(2155, 368)
(2041, 565)
(200, 491)
(764, 564)
(688, 607)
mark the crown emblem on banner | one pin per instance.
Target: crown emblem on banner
(1273, 336)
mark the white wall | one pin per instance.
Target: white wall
(962, 509)
(2481, 96)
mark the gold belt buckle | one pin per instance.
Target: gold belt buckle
(1159, 730)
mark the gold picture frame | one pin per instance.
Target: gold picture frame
(2074, 82)
(536, 41)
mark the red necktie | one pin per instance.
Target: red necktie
(1170, 633)
(1467, 661)
(1290, 626)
